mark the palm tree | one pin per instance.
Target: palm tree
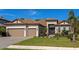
(73, 22)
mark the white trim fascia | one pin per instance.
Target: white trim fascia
(16, 26)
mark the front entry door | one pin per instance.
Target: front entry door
(51, 29)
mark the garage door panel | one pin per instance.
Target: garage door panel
(16, 32)
(31, 32)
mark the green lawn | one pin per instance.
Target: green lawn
(38, 41)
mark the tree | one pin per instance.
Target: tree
(77, 26)
(37, 19)
(43, 31)
(73, 22)
(2, 30)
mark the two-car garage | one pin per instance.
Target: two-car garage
(22, 31)
(23, 28)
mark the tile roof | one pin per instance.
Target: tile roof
(60, 21)
(39, 22)
(25, 21)
(49, 19)
(42, 22)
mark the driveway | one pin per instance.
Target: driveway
(6, 41)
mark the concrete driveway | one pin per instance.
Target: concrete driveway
(6, 41)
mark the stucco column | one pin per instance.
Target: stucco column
(37, 31)
(47, 30)
(24, 32)
(6, 32)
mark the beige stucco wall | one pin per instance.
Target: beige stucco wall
(52, 22)
(61, 28)
(57, 27)
(64, 23)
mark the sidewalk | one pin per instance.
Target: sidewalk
(40, 47)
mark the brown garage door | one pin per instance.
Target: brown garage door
(15, 32)
(31, 32)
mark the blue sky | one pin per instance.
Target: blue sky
(60, 14)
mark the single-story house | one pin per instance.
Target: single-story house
(27, 27)
(3, 21)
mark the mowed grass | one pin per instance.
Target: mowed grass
(40, 41)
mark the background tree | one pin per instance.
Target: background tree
(2, 30)
(43, 31)
(37, 19)
(77, 25)
(72, 19)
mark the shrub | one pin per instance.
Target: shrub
(43, 31)
(65, 32)
(57, 35)
(2, 31)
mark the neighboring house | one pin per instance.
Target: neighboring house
(2, 21)
(27, 27)
(2, 31)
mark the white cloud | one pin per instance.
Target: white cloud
(33, 12)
